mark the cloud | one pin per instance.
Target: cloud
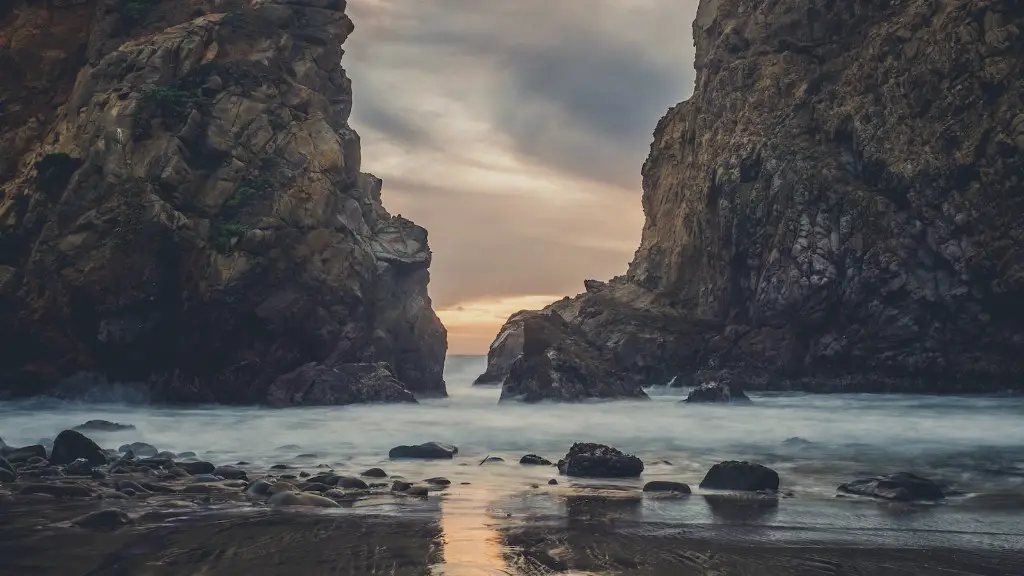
(515, 131)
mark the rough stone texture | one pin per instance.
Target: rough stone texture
(902, 487)
(319, 385)
(427, 451)
(556, 361)
(839, 200)
(590, 460)
(746, 476)
(716, 393)
(185, 211)
(70, 445)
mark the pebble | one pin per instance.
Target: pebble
(553, 482)
(103, 426)
(417, 491)
(198, 467)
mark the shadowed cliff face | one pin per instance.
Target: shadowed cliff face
(840, 198)
(193, 215)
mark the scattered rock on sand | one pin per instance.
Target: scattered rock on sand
(375, 473)
(666, 486)
(103, 519)
(71, 445)
(553, 482)
(286, 499)
(199, 467)
(400, 486)
(416, 491)
(350, 482)
(716, 393)
(103, 426)
(428, 451)
(259, 488)
(335, 494)
(57, 490)
(80, 467)
(599, 461)
(745, 476)
(230, 473)
(901, 487)
(140, 449)
(438, 481)
(534, 460)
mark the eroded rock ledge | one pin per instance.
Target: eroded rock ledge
(188, 212)
(836, 208)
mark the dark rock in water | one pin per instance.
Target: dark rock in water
(71, 445)
(57, 490)
(796, 441)
(328, 478)
(306, 456)
(165, 454)
(259, 487)
(350, 482)
(286, 499)
(80, 467)
(7, 475)
(139, 449)
(199, 467)
(716, 393)
(375, 473)
(666, 486)
(493, 460)
(599, 461)
(304, 474)
(421, 491)
(103, 426)
(733, 475)
(103, 519)
(428, 451)
(320, 385)
(187, 455)
(553, 482)
(25, 453)
(230, 473)
(400, 486)
(534, 460)
(314, 487)
(280, 467)
(550, 359)
(902, 487)
(438, 481)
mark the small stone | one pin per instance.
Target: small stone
(166, 455)
(187, 455)
(716, 393)
(493, 460)
(103, 519)
(199, 467)
(230, 473)
(335, 494)
(280, 467)
(282, 487)
(666, 486)
(314, 487)
(139, 449)
(350, 482)
(438, 481)
(259, 487)
(400, 486)
(112, 495)
(375, 473)
(286, 499)
(416, 491)
(80, 467)
(534, 485)
(534, 460)
(128, 492)
(103, 426)
(289, 477)
(553, 482)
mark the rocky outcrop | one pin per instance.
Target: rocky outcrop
(838, 201)
(556, 361)
(901, 487)
(186, 212)
(590, 460)
(716, 393)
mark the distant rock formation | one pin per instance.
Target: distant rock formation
(182, 207)
(836, 208)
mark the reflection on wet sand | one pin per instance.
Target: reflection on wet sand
(734, 509)
(471, 545)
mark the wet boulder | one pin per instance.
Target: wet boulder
(103, 426)
(375, 473)
(24, 454)
(534, 460)
(229, 473)
(742, 476)
(321, 385)
(289, 499)
(427, 451)
(80, 467)
(198, 467)
(716, 393)
(71, 445)
(667, 486)
(103, 519)
(900, 487)
(599, 461)
(139, 449)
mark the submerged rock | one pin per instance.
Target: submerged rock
(229, 473)
(71, 445)
(427, 451)
(557, 362)
(599, 461)
(534, 460)
(902, 487)
(103, 426)
(319, 385)
(289, 499)
(666, 486)
(743, 476)
(716, 393)
(375, 473)
(140, 449)
(80, 467)
(438, 481)
(400, 486)
(198, 467)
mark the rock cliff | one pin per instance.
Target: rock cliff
(182, 209)
(838, 206)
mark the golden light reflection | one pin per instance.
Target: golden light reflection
(472, 325)
(471, 546)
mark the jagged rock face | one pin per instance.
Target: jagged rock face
(194, 216)
(558, 362)
(839, 201)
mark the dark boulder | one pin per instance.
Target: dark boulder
(71, 445)
(901, 487)
(666, 486)
(716, 393)
(400, 486)
(320, 385)
(350, 482)
(559, 363)
(599, 461)
(745, 476)
(80, 467)
(229, 473)
(103, 519)
(427, 451)
(103, 426)
(25, 453)
(375, 473)
(534, 460)
(199, 467)
(438, 481)
(139, 449)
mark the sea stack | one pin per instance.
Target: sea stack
(182, 208)
(836, 208)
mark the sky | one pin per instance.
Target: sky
(514, 132)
